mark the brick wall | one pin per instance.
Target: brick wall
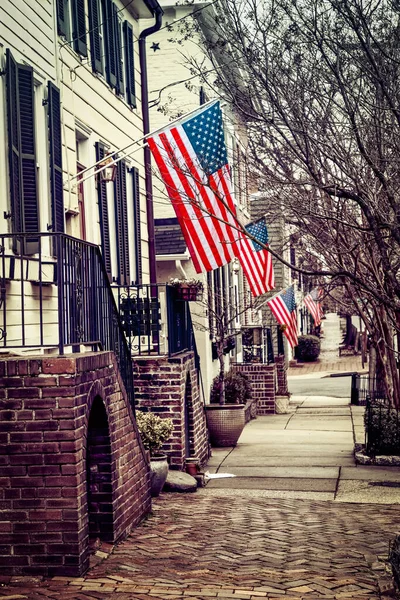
(263, 381)
(49, 435)
(281, 374)
(163, 385)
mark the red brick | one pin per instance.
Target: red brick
(35, 367)
(58, 365)
(45, 515)
(27, 392)
(9, 382)
(52, 392)
(40, 381)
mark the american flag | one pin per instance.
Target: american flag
(256, 261)
(192, 159)
(313, 305)
(283, 307)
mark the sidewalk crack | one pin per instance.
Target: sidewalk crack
(337, 483)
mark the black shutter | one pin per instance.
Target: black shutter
(55, 146)
(103, 212)
(121, 220)
(61, 18)
(130, 64)
(110, 44)
(14, 143)
(30, 204)
(136, 216)
(119, 51)
(94, 33)
(79, 27)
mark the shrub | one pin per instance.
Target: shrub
(153, 430)
(237, 389)
(382, 424)
(308, 348)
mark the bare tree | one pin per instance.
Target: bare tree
(317, 82)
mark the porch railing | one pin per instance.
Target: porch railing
(59, 298)
(154, 321)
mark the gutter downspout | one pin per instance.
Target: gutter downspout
(146, 129)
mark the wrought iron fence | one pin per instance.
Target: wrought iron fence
(155, 322)
(258, 345)
(364, 388)
(59, 298)
(382, 428)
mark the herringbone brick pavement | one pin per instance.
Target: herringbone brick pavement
(204, 546)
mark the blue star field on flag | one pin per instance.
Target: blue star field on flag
(259, 230)
(288, 298)
(206, 134)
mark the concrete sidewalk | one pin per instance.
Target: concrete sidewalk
(305, 454)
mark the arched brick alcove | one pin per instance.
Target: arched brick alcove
(99, 473)
(169, 387)
(59, 412)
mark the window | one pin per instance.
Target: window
(121, 221)
(55, 148)
(71, 23)
(137, 227)
(23, 172)
(129, 64)
(22, 153)
(96, 20)
(103, 212)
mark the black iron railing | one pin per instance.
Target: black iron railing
(258, 345)
(60, 298)
(382, 428)
(364, 388)
(155, 322)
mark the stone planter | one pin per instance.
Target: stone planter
(158, 473)
(225, 423)
(281, 405)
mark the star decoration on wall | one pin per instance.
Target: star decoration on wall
(155, 46)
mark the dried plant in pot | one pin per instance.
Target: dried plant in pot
(190, 290)
(154, 431)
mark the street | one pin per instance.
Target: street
(337, 387)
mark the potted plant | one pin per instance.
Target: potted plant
(187, 289)
(226, 413)
(154, 431)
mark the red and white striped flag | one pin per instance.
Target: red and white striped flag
(192, 159)
(283, 307)
(256, 261)
(314, 307)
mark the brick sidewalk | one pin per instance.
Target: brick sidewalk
(202, 546)
(328, 363)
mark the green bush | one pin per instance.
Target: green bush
(308, 348)
(382, 424)
(237, 389)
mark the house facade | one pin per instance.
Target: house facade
(176, 91)
(76, 310)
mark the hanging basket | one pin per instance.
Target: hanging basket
(188, 293)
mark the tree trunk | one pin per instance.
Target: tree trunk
(221, 376)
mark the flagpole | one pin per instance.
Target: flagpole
(108, 164)
(202, 107)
